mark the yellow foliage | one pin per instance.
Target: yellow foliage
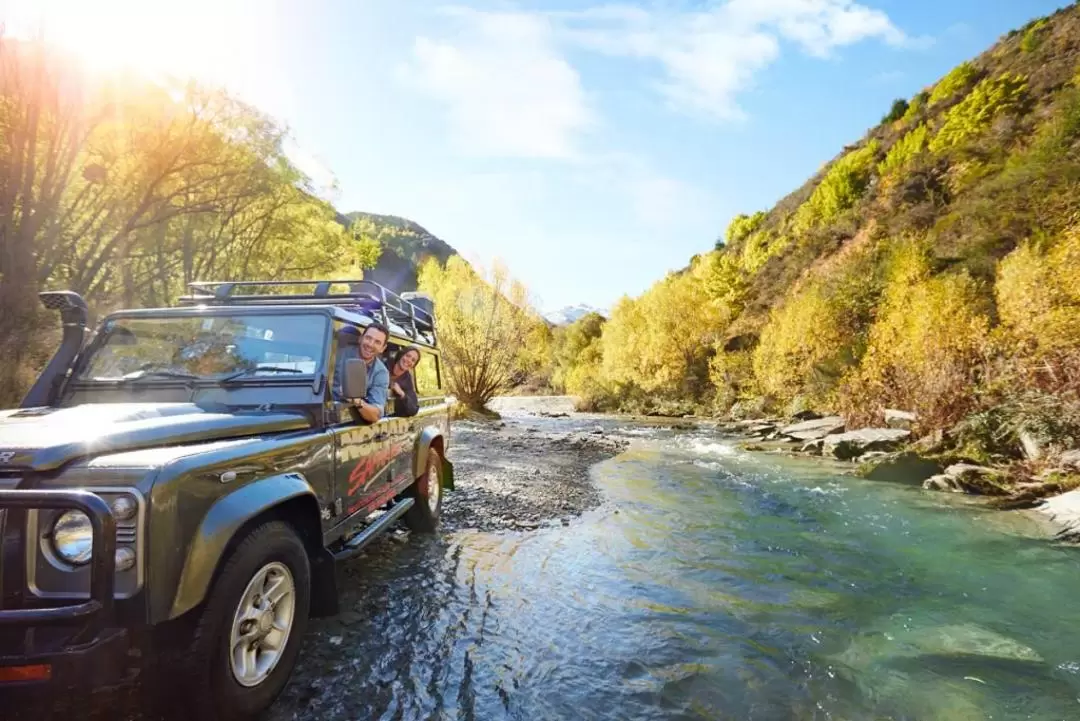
(841, 187)
(759, 247)
(483, 322)
(958, 80)
(974, 114)
(927, 343)
(917, 104)
(1038, 294)
(904, 151)
(725, 280)
(732, 374)
(804, 346)
(658, 342)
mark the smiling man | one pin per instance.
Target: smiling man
(372, 344)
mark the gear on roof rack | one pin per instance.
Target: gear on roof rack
(365, 296)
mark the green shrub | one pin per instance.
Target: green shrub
(957, 81)
(896, 112)
(904, 151)
(975, 113)
(841, 187)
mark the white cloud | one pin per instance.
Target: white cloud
(505, 86)
(708, 56)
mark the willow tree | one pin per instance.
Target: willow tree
(483, 320)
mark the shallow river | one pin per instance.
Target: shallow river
(713, 584)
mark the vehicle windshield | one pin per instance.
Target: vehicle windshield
(218, 347)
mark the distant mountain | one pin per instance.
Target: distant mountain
(571, 313)
(406, 245)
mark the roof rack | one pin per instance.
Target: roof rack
(364, 296)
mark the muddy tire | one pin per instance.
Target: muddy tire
(249, 633)
(423, 517)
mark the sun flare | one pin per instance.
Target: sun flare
(208, 40)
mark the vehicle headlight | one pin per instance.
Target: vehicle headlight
(73, 537)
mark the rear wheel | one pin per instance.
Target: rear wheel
(423, 517)
(249, 634)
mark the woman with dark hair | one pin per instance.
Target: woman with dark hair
(402, 385)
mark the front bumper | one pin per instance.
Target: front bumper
(65, 646)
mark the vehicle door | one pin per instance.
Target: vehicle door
(363, 452)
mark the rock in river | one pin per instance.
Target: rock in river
(1064, 512)
(966, 639)
(812, 430)
(903, 467)
(968, 478)
(853, 444)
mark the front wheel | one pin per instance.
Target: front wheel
(250, 632)
(423, 517)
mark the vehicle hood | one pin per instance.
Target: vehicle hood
(43, 439)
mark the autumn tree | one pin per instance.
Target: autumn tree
(483, 322)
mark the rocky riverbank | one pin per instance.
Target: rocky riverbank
(1037, 479)
(510, 477)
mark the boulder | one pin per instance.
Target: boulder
(903, 467)
(813, 447)
(1070, 459)
(760, 429)
(814, 429)
(931, 443)
(1064, 512)
(899, 419)
(853, 444)
(1034, 447)
(968, 478)
(942, 483)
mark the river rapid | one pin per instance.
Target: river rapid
(709, 583)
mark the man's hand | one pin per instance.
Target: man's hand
(368, 412)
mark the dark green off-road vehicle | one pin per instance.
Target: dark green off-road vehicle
(178, 486)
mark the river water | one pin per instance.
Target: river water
(714, 584)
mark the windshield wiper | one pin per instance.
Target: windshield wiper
(253, 371)
(159, 373)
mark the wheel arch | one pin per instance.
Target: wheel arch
(430, 437)
(288, 498)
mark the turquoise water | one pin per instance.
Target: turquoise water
(717, 584)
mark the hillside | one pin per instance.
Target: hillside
(931, 266)
(405, 246)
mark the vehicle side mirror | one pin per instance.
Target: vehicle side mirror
(354, 383)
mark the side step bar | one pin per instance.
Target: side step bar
(356, 544)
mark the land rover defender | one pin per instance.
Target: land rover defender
(178, 487)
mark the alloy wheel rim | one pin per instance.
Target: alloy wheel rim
(262, 624)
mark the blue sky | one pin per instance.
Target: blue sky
(591, 146)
